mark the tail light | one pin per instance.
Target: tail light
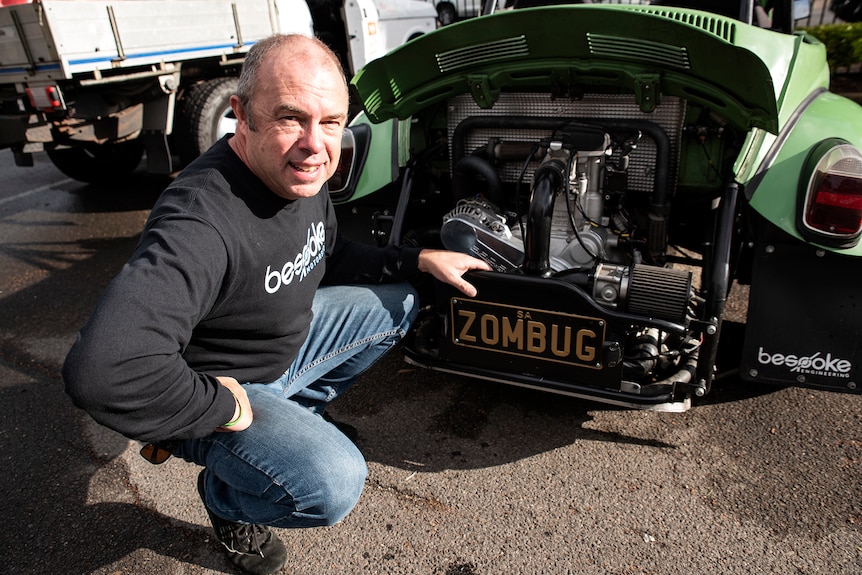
(46, 98)
(831, 210)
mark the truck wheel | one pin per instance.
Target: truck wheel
(446, 13)
(204, 116)
(98, 164)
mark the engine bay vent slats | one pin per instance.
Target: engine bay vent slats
(478, 54)
(720, 27)
(643, 50)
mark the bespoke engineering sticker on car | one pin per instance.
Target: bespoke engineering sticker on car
(528, 332)
(815, 364)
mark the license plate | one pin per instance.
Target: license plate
(528, 332)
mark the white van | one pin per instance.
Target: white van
(373, 27)
(404, 20)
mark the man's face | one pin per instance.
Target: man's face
(299, 111)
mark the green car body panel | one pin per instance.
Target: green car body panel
(651, 128)
(755, 78)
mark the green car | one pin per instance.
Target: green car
(620, 167)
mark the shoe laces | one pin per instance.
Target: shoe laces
(246, 538)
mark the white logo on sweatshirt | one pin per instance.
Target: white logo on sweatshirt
(300, 266)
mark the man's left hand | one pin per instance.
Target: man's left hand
(448, 267)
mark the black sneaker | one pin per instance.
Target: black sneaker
(252, 548)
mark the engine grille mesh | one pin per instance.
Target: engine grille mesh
(669, 115)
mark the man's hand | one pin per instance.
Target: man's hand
(449, 266)
(243, 409)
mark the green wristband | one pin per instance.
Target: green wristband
(236, 419)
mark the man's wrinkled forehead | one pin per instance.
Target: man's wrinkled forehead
(287, 65)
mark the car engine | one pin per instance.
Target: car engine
(598, 172)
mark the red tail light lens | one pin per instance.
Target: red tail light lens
(832, 208)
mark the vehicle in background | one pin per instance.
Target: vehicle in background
(361, 30)
(847, 10)
(96, 84)
(448, 11)
(404, 20)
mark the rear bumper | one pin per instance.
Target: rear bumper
(538, 333)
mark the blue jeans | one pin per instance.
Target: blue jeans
(291, 468)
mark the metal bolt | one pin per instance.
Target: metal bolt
(712, 328)
(851, 385)
(800, 378)
(752, 373)
(770, 249)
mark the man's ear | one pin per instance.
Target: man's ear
(238, 111)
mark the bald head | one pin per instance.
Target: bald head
(291, 50)
(291, 109)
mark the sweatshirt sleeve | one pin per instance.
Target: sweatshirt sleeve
(126, 367)
(353, 262)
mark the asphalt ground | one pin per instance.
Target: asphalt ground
(465, 477)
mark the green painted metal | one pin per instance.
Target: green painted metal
(776, 196)
(770, 85)
(738, 70)
(381, 166)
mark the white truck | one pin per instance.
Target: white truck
(448, 11)
(97, 83)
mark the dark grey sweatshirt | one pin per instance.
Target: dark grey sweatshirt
(221, 283)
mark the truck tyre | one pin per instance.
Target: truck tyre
(204, 115)
(446, 13)
(98, 164)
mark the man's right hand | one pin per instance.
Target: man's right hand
(243, 409)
